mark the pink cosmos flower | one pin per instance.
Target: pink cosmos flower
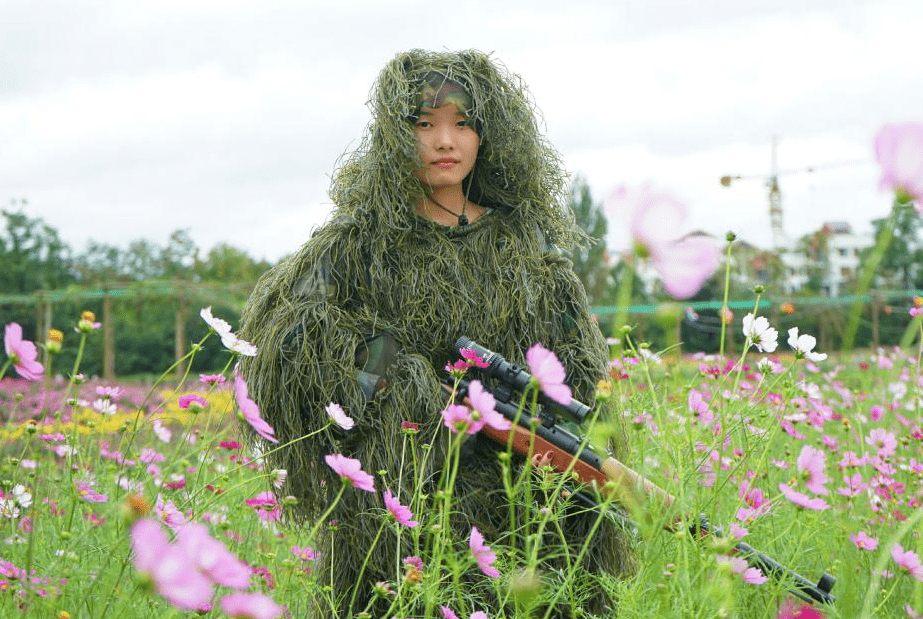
(211, 557)
(811, 464)
(415, 561)
(863, 541)
(457, 418)
(250, 412)
(88, 493)
(484, 411)
(793, 610)
(350, 471)
(22, 353)
(111, 393)
(335, 412)
(699, 408)
(899, 151)
(482, 553)
(161, 431)
(756, 502)
(400, 512)
(657, 219)
(802, 500)
(195, 403)
(854, 485)
(250, 606)
(750, 575)
(907, 560)
(305, 554)
(448, 613)
(168, 567)
(469, 355)
(548, 371)
(885, 442)
(212, 379)
(267, 507)
(167, 512)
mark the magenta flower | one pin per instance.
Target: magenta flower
(803, 500)
(250, 412)
(88, 493)
(899, 151)
(212, 379)
(22, 353)
(756, 502)
(482, 553)
(793, 610)
(211, 557)
(250, 606)
(350, 471)
(907, 560)
(168, 513)
(335, 412)
(657, 219)
(266, 505)
(548, 371)
(401, 513)
(863, 541)
(457, 418)
(168, 567)
(195, 403)
(811, 464)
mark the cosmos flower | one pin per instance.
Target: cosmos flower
(811, 463)
(211, 557)
(339, 417)
(168, 567)
(482, 553)
(656, 222)
(250, 412)
(750, 575)
(863, 541)
(759, 333)
(885, 442)
(228, 338)
(907, 560)
(804, 346)
(484, 410)
(350, 471)
(193, 402)
(802, 500)
(899, 151)
(548, 371)
(401, 513)
(250, 606)
(22, 353)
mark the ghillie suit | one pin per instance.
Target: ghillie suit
(366, 313)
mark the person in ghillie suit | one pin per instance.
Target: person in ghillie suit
(450, 219)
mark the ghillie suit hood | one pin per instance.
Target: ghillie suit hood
(366, 313)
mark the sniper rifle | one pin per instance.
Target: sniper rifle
(565, 451)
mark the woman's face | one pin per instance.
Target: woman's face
(447, 145)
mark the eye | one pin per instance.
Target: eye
(423, 124)
(463, 123)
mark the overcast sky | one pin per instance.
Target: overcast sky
(121, 120)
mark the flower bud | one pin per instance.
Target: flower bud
(759, 289)
(730, 236)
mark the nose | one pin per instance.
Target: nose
(444, 138)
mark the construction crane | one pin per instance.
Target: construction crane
(779, 240)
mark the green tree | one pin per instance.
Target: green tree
(591, 261)
(902, 260)
(32, 253)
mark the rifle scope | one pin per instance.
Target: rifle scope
(515, 376)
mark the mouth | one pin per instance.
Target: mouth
(445, 162)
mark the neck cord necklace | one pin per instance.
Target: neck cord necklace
(462, 220)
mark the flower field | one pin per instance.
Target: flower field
(121, 500)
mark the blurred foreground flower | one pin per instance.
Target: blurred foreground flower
(548, 371)
(22, 353)
(899, 151)
(656, 223)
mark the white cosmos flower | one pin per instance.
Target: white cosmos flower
(339, 416)
(759, 333)
(804, 346)
(22, 496)
(105, 406)
(221, 327)
(228, 338)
